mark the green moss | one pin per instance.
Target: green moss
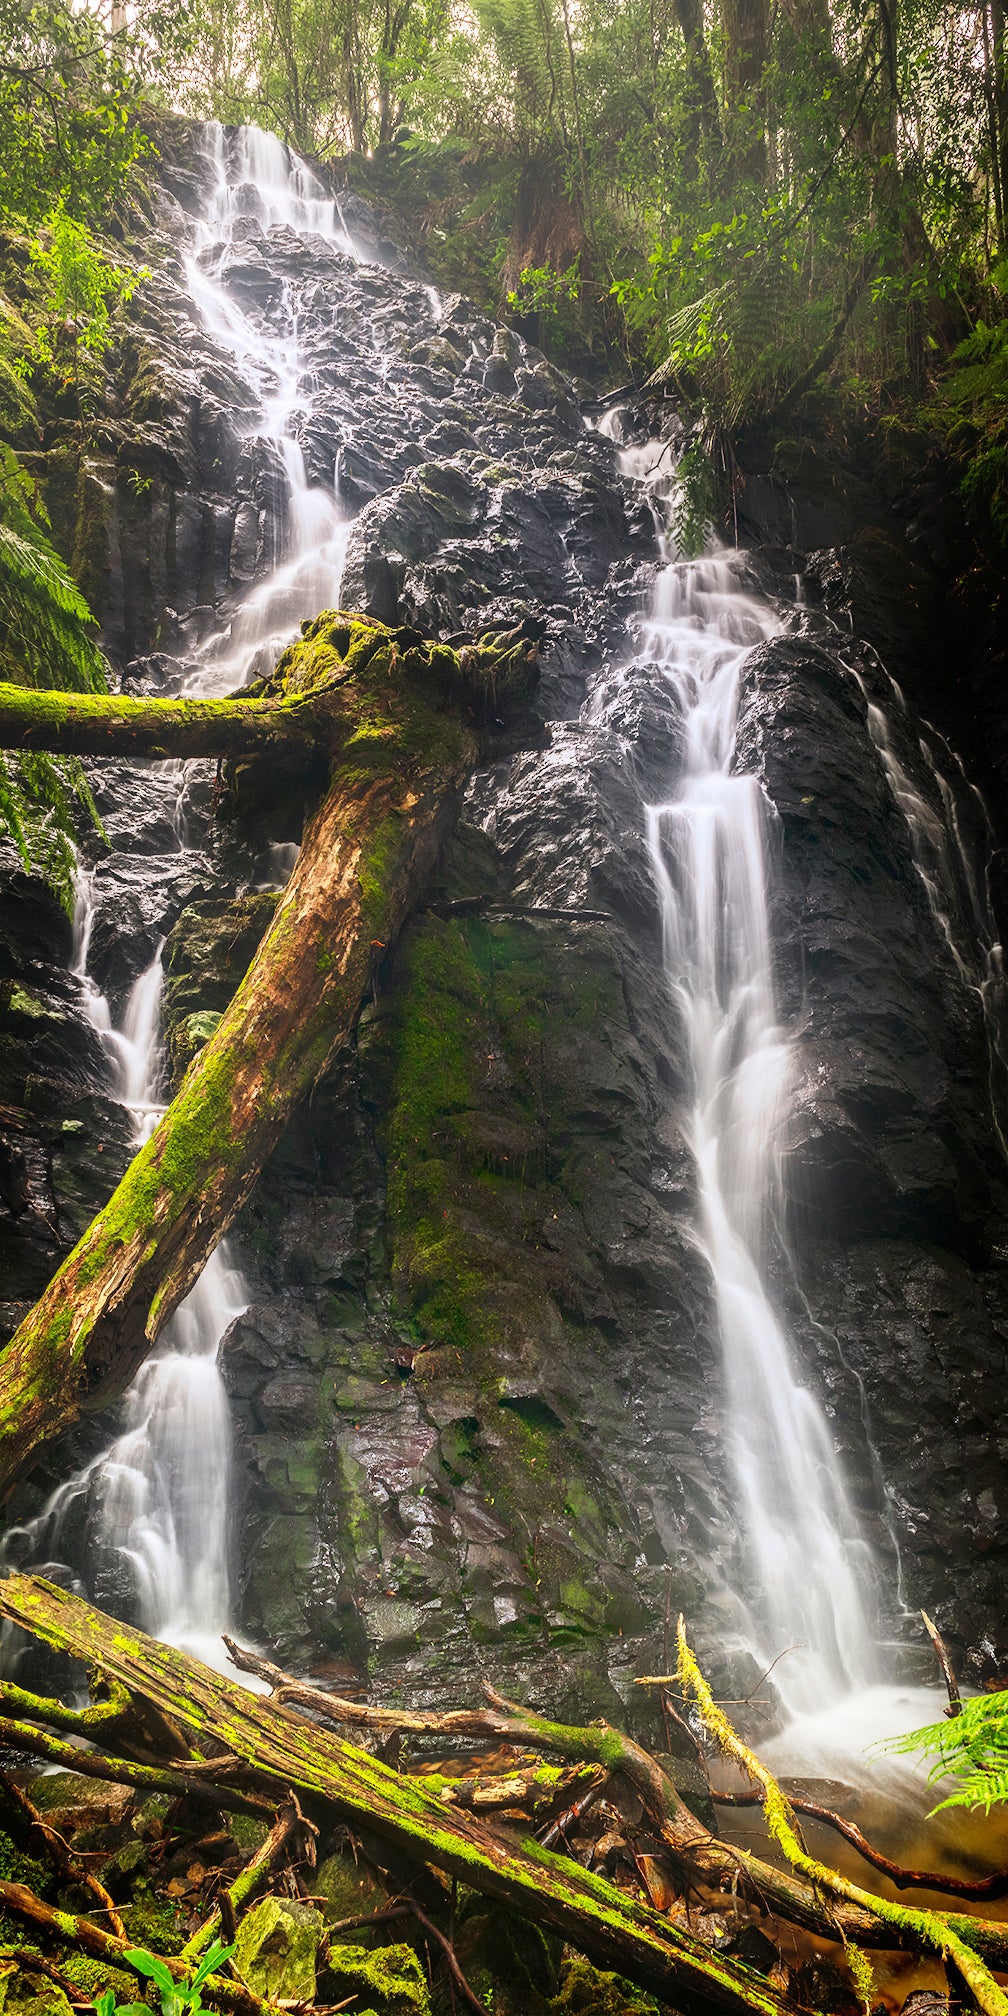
(275, 1948)
(26, 1994)
(152, 1921)
(22, 1002)
(94, 1976)
(470, 1180)
(391, 1976)
(585, 1991)
(17, 1867)
(347, 1886)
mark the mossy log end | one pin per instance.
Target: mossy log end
(310, 702)
(409, 735)
(280, 1752)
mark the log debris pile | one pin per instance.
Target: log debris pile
(245, 1832)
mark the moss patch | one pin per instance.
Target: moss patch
(482, 1057)
(389, 1976)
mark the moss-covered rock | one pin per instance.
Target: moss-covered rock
(275, 1950)
(586, 1991)
(23, 1993)
(509, 1962)
(390, 1976)
(206, 955)
(347, 1886)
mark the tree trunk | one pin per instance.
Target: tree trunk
(745, 26)
(703, 118)
(365, 862)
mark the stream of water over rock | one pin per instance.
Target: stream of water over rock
(710, 854)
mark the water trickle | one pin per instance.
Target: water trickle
(947, 867)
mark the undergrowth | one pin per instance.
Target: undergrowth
(47, 639)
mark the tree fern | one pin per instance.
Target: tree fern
(46, 640)
(971, 1747)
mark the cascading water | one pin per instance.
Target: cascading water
(800, 1588)
(709, 852)
(254, 177)
(155, 1505)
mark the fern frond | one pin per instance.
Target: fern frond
(47, 639)
(697, 321)
(972, 1747)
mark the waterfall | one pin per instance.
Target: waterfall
(151, 1513)
(709, 843)
(148, 1520)
(253, 176)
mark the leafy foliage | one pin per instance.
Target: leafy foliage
(46, 640)
(68, 102)
(971, 410)
(972, 1747)
(81, 289)
(177, 1998)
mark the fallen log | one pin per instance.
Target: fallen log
(333, 1778)
(405, 718)
(701, 1854)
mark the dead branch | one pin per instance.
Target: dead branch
(67, 1868)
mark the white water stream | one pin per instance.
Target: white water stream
(157, 1500)
(807, 1576)
(254, 176)
(709, 846)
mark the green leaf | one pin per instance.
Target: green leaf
(213, 1958)
(155, 1969)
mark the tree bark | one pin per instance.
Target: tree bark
(365, 863)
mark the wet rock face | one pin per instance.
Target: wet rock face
(891, 1129)
(476, 1392)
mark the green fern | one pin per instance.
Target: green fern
(46, 640)
(972, 1747)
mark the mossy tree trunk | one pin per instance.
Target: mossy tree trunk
(404, 719)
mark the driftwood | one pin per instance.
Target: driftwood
(251, 1746)
(403, 722)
